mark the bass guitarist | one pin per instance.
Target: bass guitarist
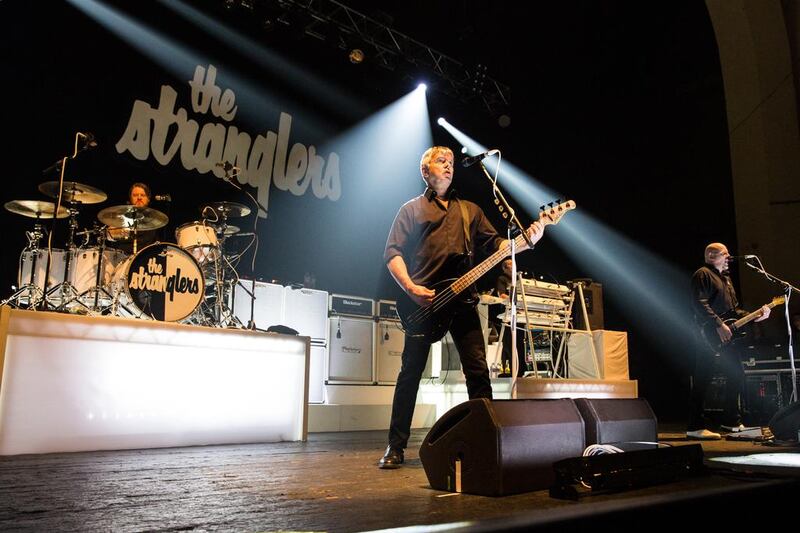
(714, 300)
(429, 234)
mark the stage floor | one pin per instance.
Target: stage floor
(331, 483)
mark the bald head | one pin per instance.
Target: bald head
(717, 254)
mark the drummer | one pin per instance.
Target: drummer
(139, 195)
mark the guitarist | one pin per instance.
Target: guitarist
(713, 300)
(428, 233)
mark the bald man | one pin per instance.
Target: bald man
(713, 299)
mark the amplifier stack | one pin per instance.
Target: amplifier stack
(351, 334)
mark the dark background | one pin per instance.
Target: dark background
(618, 105)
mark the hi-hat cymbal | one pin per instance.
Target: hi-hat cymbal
(74, 192)
(128, 216)
(229, 230)
(35, 209)
(226, 209)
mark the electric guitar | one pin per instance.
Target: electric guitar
(736, 325)
(432, 322)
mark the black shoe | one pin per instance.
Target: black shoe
(393, 458)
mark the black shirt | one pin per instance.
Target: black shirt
(427, 235)
(712, 295)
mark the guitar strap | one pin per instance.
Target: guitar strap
(465, 221)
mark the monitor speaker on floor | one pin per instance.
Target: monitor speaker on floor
(618, 420)
(785, 425)
(498, 447)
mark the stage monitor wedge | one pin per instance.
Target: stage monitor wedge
(499, 447)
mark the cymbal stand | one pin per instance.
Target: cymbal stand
(66, 292)
(99, 278)
(224, 316)
(30, 288)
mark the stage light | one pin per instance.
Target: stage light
(440, 121)
(422, 87)
(356, 56)
(463, 149)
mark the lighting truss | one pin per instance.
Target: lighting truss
(331, 21)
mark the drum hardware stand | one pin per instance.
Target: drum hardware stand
(100, 234)
(67, 291)
(223, 313)
(35, 294)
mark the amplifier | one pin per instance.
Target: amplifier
(341, 304)
(387, 310)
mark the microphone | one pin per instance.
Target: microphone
(88, 139)
(162, 198)
(471, 160)
(227, 166)
(742, 257)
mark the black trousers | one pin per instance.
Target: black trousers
(729, 365)
(467, 335)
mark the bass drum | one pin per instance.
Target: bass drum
(161, 282)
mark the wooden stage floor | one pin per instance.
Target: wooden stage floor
(331, 483)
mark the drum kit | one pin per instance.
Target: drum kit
(189, 282)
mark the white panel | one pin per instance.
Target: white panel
(268, 305)
(74, 383)
(306, 310)
(316, 374)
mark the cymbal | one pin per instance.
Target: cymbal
(226, 209)
(229, 230)
(35, 209)
(74, 192)
(128, 216)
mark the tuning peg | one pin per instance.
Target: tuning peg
(541, 208)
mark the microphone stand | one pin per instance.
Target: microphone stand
(251, 324)
(514, 225)
(60, 166)
(788, 288)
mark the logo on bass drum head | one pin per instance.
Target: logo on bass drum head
(165, 282)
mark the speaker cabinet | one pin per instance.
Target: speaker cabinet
(389, 341)
(350, 353)
(785, 425)
(267, 307)
(593, 298)
(498, 447)
(306, 310)
(618, 420)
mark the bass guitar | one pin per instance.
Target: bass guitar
(431, 322)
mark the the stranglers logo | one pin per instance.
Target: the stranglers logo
(164, 131)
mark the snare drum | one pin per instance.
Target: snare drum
(198, 239)
(162, 282)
